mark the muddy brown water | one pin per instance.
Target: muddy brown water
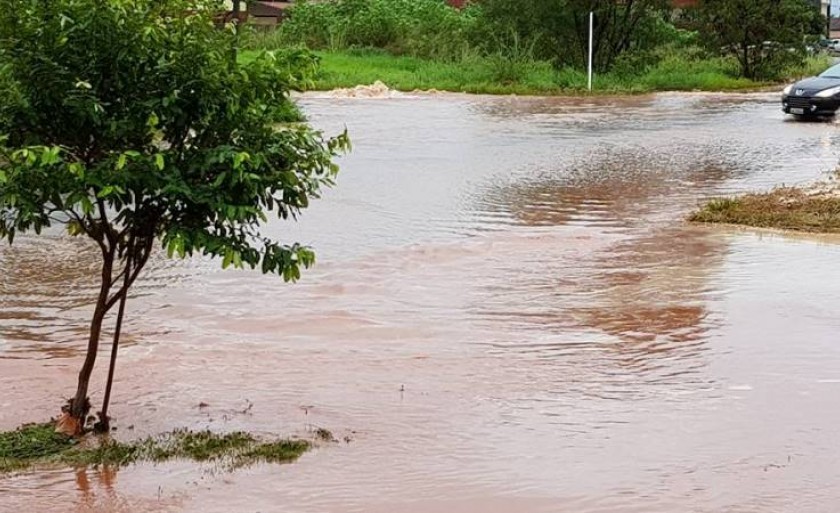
(508, 315)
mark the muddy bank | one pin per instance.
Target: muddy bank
(813, 208)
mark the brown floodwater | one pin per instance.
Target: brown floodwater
(508, 315)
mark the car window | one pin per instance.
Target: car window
(832, 72)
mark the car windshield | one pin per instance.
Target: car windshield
(832, 72)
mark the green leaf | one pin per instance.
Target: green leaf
(87, 205)
(159, 161)
(77, 169)
(74, 228)
(239, 158)
(50, 156)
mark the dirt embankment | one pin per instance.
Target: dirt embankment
(814, 208)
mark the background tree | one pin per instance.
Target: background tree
(130, 122)
(766, 36)
(559, 29)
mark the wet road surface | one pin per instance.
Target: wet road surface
(508, 315)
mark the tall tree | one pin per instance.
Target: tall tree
(765, 35)
(561, 27)
(129, 122)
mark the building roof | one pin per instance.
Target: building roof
(683, 3)
(268, 9)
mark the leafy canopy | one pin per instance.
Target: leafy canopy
(767, 36)
(131, 121)
(559, 29)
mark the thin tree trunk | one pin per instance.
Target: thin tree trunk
(135, 262)
(104, 424)
(80, 405)
(237, 9)
(745, 62)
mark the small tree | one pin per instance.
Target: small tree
(130, 122)
(766, 36)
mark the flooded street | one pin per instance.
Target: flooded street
(508, 315)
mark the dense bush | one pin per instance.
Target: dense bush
(426, 28)
(12, 98)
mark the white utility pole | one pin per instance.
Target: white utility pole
(591, 26)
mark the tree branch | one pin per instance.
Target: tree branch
(116, 278)
(106, 225)
(88, 231)
(141, 262)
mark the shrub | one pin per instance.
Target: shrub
(424, 28)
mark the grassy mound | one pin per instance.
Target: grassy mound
(38, 445)
(783, 208)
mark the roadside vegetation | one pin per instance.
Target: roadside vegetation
(39, 445)
(350, 68)
(784, 208)
(539, 47)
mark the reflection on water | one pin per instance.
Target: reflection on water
(508, 315)
(624, 188)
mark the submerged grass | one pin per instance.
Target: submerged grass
(501, 74)
(38, 445)
(784, 208)
(29, 443)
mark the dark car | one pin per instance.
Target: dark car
(815, 96)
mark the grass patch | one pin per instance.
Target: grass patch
(501, 74)
(472, 75)
(29, 443)
(37, 445)
(784, 208)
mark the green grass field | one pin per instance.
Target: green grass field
(498, 75)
